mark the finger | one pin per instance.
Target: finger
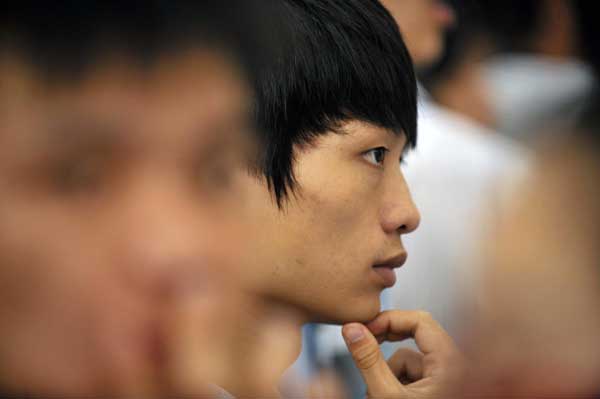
(407, 365)
(369, 360)
(441, 356)
(396, 325)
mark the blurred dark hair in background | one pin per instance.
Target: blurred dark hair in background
(589, 30)
(511, 26)
(469, 27)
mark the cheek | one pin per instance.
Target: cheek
(51, 252)
(345, 201)
(42, 256)
(40, 291)
(340, 224)
(59, 297)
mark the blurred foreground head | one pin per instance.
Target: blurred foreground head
(122, 124)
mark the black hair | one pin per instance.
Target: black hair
(470, 26)
(512, 24)
(589, 38)
(345, 60)
(65, 37)
(589, 33)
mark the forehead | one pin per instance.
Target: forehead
(186, 92)
(358, 129)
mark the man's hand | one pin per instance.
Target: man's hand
(434, 372)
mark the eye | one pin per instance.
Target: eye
(215, 177)
(76, 176)
(376, 156)
(215, 173)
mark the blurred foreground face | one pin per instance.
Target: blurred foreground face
(538, 334)
(332, 249)
(117, 199)
(422, 23)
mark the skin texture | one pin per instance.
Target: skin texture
(117, 208)
(422, 23)
(347, 214)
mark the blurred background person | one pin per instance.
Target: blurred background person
(455, 80)
(536, 78)
(537, 335)
(513, 66)
(461, 173)
(122, 127)
(537, 332)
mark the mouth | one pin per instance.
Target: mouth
(386, 269)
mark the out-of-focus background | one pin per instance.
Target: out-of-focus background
(506, 178)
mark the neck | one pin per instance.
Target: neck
(279, 324)
(270, 343)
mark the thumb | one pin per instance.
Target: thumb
(369, 360)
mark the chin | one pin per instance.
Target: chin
(429, 53)
(362, 311)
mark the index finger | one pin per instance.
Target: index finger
(398, 325)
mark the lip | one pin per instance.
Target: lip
(385, 268)
(393, 262)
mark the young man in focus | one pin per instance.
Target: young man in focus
(338, 109)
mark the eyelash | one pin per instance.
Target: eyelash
(373, 160)
(402, 160)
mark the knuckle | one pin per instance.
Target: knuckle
(367, 357)
(424, 315)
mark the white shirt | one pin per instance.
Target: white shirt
(532, 94)
(460, 175)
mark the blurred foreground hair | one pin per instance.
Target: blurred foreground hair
(63, 39)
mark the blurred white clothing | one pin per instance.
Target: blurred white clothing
(532, 94)
(461, 176)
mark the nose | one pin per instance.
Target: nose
(170, 241)
(399, 215)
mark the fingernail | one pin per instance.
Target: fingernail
(353, 333)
